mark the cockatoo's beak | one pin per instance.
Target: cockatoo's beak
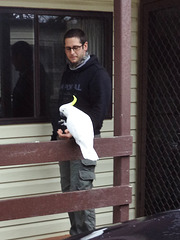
(62, 116)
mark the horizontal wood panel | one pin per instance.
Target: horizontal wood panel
(44, 171)
(65, 150)
(28, 188)
(52, 185)
(47, 218)
(90, 5)
(35, 132)
(45, 186)
(16, 174)
(36, 230)
(64, 202)
(18, 140)
(49, 226)
(27, 130)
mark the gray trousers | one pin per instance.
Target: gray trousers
(79, 175)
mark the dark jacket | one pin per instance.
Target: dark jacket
(91, 85)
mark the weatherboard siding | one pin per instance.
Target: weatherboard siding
(36, 179)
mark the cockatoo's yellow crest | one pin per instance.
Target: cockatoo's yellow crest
(74, 100)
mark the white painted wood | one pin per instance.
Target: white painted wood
(90, 5)
(134, 53)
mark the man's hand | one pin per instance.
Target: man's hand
(64, 135)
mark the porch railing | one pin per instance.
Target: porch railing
(31, 153)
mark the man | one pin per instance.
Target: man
(85, 78)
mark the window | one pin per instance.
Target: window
(32, 57)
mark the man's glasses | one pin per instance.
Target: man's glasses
(74, 48)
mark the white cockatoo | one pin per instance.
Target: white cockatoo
(80, 126)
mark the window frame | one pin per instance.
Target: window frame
(108, 16)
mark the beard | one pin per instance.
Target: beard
(78, 64)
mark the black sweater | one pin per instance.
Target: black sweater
(91, 85)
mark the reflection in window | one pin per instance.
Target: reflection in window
(16, 65)
(23, 90)
(32, 59)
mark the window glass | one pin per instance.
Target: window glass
(32, 58)
(51, 33)
(16, 65)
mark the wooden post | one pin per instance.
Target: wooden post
(122, 74)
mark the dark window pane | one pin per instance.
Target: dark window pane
(16, 65)
(32, 58)
(23, 84)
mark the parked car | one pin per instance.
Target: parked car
(162, 226)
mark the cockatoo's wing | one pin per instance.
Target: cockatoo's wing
(80, 126)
